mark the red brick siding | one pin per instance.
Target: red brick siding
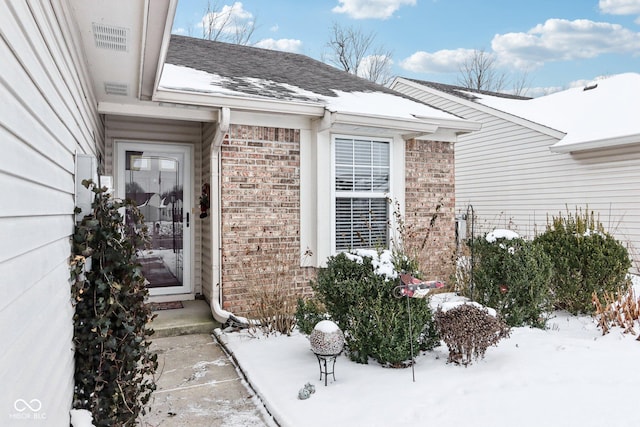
(260, 203)
(430, 182)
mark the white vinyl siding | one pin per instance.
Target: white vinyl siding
(47, 114)
(511, 178)
(361, 187)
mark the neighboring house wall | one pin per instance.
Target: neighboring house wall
(121, 128)
(511, 178)
(429, 221)
(47, 115)
(260, 214)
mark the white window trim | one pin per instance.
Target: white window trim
(364, 194)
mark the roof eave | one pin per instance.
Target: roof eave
(596, 144)
(155, 63)
(460, 126)
(243, 103)
(407, 128)
(158, 110)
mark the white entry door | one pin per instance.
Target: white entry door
(157, 177)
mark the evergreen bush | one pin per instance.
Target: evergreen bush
(113, 365)
(309, 312)
(513, 277)
(359, 299)
(586, 260)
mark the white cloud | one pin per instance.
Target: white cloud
(375, 9)
(229, 19)
(285, 45)
(620, 7)
(274, 28)
(442, 61)
(180, 31)
(563, 40)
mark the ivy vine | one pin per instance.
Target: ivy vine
(113, 364)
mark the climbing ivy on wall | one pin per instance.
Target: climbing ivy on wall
(113, 364)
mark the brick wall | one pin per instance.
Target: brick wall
(260, 214)
(430, 182)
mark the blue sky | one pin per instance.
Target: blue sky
(558, 43)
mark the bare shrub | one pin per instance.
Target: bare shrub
(620, 309)
(468, 331)
(273, 302)
(273, 308)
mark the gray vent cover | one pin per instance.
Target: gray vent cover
(110, 37)
(114, 88)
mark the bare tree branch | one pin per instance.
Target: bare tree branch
(521, 84)
(227, 23)
(352, 50)
(377, 68)
(480, 72)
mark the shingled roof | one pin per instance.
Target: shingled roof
(245, 69)
(463, 92)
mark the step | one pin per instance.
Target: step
(193, 318)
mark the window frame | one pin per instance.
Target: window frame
(385, 195)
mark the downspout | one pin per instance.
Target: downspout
(219, 314)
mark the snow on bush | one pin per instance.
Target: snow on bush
(382, 261)
(501, 234)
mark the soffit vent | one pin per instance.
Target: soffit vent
(114, 88)
(110, 37)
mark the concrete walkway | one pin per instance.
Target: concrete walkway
(197, 383)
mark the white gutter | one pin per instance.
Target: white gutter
(615, 142)
(239, 102)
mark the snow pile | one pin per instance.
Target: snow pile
(81, 418)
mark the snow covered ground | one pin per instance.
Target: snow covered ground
(566, 375)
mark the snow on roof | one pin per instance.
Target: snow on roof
(186, 79)
(607, 109)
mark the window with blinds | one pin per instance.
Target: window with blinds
(361, 189)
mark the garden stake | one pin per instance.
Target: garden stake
(411, 287)
(413, 371)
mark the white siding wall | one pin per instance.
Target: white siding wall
(164, 131)
(47, 114)
(508, 174)
(207, 250)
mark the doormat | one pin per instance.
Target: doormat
(171, 305)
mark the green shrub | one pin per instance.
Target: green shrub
(309, 312)
(113, 365)
(375, 323)
(586, 259)
(513, 277)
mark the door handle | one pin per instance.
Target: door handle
(187, 219)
